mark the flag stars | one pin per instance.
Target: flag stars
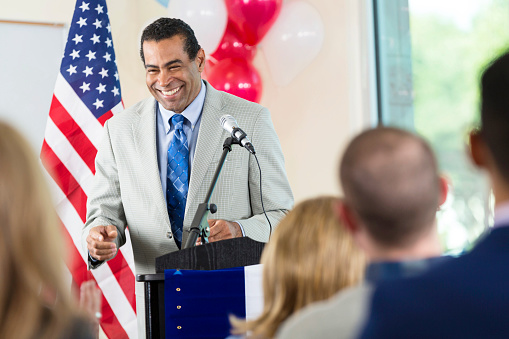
(88, 71)
(75, 54)
(84, 6)
(82, 22)
(95, 38)
(99, 9)
(108, 28)
(107, 57)
(108, 42)
(101, 88)
(71, 70)
(116, 75)
(90, 55)
(115, 91)
(104, 73)
(98, 103)
(85, 87)
(77, 38)
(97, 24)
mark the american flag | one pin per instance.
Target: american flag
(87, 93)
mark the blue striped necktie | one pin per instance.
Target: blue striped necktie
(177, 183)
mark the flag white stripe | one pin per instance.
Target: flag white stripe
(117, 300)
(118, 108)
(127, 251)
(103, 275)
(66, 153)
(78, 111)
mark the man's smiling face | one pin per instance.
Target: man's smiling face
(172, 78)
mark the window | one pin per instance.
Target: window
(430, 54)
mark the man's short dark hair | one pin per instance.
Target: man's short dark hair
(165, 28)
(390, 179)
(495, 112)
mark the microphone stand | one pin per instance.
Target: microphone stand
(199, 226)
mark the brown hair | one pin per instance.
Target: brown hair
(390, 178)
(34, 301)
(309, 258)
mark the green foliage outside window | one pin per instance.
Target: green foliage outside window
(447, 61)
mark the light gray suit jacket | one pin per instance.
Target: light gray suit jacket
(127, 187)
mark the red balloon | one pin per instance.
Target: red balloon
(232, 46)
(253, 18)
(238, 77)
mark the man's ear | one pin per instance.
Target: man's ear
(478, 149)
(444, 190)
(200, 60)
(346, 216)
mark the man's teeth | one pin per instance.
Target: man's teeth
(173, 91)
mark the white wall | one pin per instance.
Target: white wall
(314, 116)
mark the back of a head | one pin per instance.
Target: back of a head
(165, 28)
(495, 112)
(309, 258)
(30, 246)
(390, 178)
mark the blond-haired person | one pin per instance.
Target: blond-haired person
(34, 299)
(309, 258)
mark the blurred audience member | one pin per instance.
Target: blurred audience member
(467, 297)
(309, 258)
(34, 299)
(392, 191)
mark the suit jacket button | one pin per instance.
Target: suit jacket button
(169, 235)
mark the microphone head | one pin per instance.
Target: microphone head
(228, 122)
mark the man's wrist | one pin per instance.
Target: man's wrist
(240, 229)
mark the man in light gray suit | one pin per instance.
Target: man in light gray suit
(392, 191)
(135, 185)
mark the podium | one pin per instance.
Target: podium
(213, 256)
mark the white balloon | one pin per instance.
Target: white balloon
(293, 42)
(207, 18)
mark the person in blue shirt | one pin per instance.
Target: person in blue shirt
(467, 297)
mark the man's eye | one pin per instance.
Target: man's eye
(152, 71)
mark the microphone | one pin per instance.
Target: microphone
(230, 125)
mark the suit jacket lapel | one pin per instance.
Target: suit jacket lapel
(208, 138)
(145, 142)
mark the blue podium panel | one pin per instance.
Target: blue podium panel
(198, 303)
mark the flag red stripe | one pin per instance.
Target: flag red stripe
(109, 322)
(64, 180)
(125, 277)
(73, 132)
(102, 119)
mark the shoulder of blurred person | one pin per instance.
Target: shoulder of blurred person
(340, 316)
(461, 298)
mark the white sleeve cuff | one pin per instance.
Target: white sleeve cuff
(241, 228)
